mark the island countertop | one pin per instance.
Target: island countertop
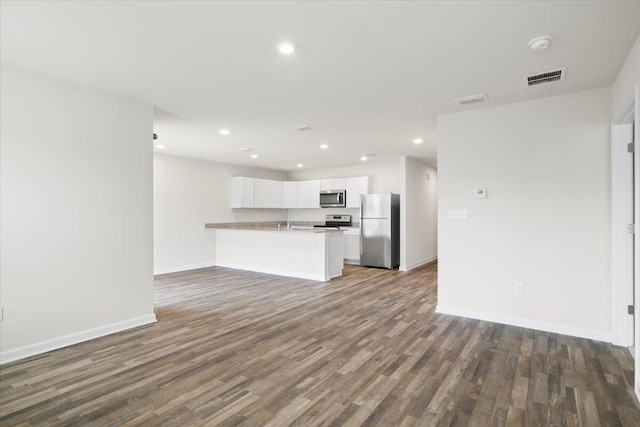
(306, 253)
(256, 226)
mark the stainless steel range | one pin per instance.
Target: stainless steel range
(335, 221)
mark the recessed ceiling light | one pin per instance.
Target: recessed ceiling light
(286, 48)
(299, 165)
(324, 146)
(417, 141)
(540, 43)
(160, 147)
(224, 132)
(254, 156)
(363, 158)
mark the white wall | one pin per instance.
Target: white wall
(189, 193)
(418, 212)
(76, 212)
(629, 76)
(384, 177)
(546, 221)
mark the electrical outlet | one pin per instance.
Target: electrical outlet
(519, 288)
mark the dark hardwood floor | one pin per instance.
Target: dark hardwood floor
(241, 348)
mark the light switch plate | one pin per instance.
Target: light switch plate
(481, 193)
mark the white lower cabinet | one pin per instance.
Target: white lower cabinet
(351, 248)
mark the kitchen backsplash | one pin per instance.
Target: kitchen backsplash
(315, 216)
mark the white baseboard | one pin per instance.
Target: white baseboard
(75, 338)
(417, 264)
(527, 323)
(183, 268)
(286, 273)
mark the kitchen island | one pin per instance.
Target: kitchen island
(306, 253)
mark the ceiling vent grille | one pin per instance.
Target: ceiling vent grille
(471, 99)
(546, 77)
(303, 127)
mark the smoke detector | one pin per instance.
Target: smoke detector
(540, 43)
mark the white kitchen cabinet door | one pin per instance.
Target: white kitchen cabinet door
(275, 194)
(332, 184)
(241, 192)
(289, 196)
(302, 196)
(260, 193)
(355, 187)
(338, 184)
(313, 194)
(351, 248)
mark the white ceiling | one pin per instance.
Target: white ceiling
(370, 76)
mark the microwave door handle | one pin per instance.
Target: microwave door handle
(341, 198)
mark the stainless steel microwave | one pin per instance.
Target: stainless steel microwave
(333, 198)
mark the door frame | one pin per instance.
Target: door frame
(636, 257)
(622, 250)
(630, 112)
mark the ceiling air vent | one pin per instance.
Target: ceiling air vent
(546, 77)
(303, 127)
(471, 99)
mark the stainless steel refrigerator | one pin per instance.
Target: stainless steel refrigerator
(380, 230)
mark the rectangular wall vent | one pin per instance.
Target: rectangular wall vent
(546, 77)
(471, 99)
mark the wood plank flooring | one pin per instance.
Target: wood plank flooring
(239, 348)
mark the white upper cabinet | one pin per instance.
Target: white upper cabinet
(332, 184)
(308, 194)
(241, 192)
(274, 189)
(270, 194)
(260, 193)
(355, 187)
(313, 191)
(289, 194)
(255, 193)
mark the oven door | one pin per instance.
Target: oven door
(332, 199)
